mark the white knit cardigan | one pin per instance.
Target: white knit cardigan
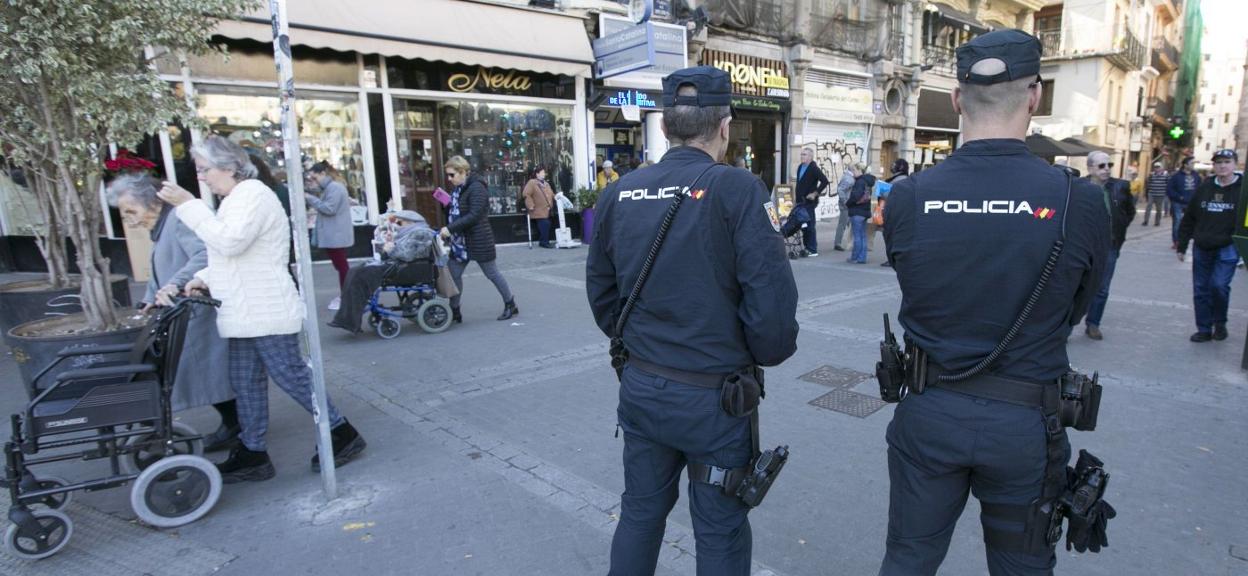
(248, 242)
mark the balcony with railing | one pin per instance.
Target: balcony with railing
(1165, 55)
(771, 18)
(866, 39)
(1124, 50)
(942, 59)
(1162, 109)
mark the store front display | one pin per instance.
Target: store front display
(838, 125)
(761, 100)
(938, 130)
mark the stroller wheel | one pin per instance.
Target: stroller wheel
(55, 501)
(53, 533)
(388, 328)
(434, 316)
(143, 451)
(175, 491)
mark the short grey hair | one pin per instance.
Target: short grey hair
(686, 124)
(141, 187)
(1095, 156)
(223, 154)
(994, 101)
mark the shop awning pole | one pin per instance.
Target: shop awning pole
(303, 252)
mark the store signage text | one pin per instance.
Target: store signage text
(502, 80)
(750, 75)
(638, 98)
(751, 103)
(839, 103)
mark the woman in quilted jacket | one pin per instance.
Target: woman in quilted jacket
(261, 313)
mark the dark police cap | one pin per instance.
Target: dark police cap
(1019, 51)
(714, 87)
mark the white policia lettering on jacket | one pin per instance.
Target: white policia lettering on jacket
(645, 193)
(984, 207)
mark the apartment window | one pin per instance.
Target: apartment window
(1210, 124)
(1230, 89)
(1046, 99)
(1206, 57)
(1202, 108)
(1207, 146)
(1226, 118)
(1213, 99)
(1223, 144)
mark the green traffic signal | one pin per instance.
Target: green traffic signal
(1177, 132)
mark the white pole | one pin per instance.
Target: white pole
(298, 226)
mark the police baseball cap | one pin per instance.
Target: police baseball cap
(1018, 50)
(1226, 153)
(714, 87)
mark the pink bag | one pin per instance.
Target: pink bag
(441, 196)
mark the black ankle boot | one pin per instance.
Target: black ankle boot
(245, 465)
(509, 310)
(347, 444)
(456, 317)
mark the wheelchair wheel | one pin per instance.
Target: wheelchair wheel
(388, 328)
(55, 501)
(143, 451)
(176, 491)
(54, 533)
(434, 316)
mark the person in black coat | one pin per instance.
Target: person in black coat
(469, 235)
(810, 184)
(1122, 211)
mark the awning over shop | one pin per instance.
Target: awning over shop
(1086, 147)
(959, 18)
(440, 30)
(1048, 148)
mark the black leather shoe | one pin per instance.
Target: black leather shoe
(509, 310)
(347, 444)
(456, 317)
(838, 248)
(224, 438)
(245, 465)
(1201, 337)
(1219, 331)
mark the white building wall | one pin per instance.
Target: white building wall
(1217, 111)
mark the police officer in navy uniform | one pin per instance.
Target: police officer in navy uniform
(969, 239)
(720, 298)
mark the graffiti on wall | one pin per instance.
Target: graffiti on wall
(833, 157)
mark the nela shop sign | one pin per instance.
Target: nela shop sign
(470, 79)
(751, 75)
(491, 80)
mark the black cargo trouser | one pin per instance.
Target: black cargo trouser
(942, 445)
(667, 425)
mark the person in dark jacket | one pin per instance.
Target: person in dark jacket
(470, 236)
(1180, 189)
(1121, 205)
(859, 207)
(1210, 222)
(334, 231)
(810, 184)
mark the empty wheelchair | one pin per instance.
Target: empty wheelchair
(114, 411)
(415, 285)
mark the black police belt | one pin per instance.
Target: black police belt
(740, 394)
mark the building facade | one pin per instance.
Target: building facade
(1218, 102)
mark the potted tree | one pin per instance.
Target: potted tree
(586, 199)
(77, 80)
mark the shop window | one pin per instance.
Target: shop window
(1046, 98)
(503, 142)
(329, 131)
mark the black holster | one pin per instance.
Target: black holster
(742, 391)
(619, 357)
(1080, 401)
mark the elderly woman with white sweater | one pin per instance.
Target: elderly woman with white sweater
(248, 241)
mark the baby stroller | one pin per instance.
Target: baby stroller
(415, 284)
(119, 411)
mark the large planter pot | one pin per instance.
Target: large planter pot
(35, 345)
(587, 225)
(27, 300)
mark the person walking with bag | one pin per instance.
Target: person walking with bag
(470, 237)
(859, 207)
(334, 231)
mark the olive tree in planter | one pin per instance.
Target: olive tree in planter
(76, 80)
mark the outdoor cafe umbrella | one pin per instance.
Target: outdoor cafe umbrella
(1048, 148)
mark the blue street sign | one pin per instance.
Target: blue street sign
(630, 49)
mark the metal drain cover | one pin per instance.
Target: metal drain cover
(834, 377)
(849, 402)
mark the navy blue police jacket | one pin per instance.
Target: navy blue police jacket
(721, 295)
(968, 239)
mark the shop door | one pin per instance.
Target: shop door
(420, 176)
(420, 162)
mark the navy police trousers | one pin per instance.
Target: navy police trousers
(666, 425)
(942, 444)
